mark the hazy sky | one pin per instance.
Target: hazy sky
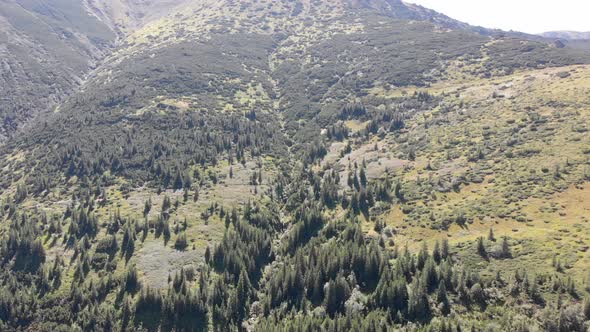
(532, 16)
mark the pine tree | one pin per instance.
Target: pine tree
(131, 279)
(147, 207)
(354, 203)
(506, 248)
(125, 313)
(422, 256)
(398, 191)
(587, 308)
(178, 181)
(208, 255)
(239, 300)
(534, 292)
(350, 180)
(443, 299)
(418, 305)
(481, 248)
(429, 275)
(166, 204)
(356, 183)
(445, 249)
(363, 177)
(491, 235)
(436, 254)
(337, 293)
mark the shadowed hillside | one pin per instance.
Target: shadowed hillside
(48, 46)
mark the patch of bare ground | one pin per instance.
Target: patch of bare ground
(157, 261)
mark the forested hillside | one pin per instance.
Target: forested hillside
(345, 165)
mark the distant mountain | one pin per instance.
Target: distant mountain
(567, 35)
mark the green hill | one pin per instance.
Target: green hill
(289, 165)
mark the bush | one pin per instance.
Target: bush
(181, 242)
(107, 245)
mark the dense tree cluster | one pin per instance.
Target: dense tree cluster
(166, 152)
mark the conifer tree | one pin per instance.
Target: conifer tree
(506, 248)
(587, 308)
(436, 254)
(481, 249)
(363, 177)
(443, 300)
(444, 252)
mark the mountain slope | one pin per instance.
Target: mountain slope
(46, 49)
(303, 70)
(280, 165)
(48, 46)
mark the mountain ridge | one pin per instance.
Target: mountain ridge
(567, 35)
(125, 18)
